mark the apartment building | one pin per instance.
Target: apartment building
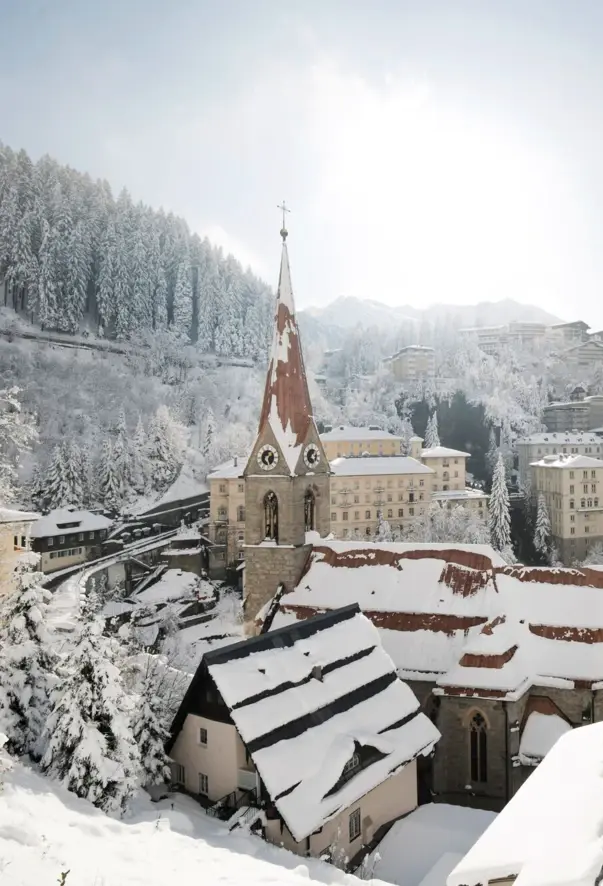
(412, 362)
(587, 355)
(572, 486)
(226, 516)
(537, 446)
(574, 415)
(398, 486)
(492, 339)
(15, 531)
(570, 333)
(448, 466)
(346, 441)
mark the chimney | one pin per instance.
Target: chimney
(236, 461)
(416, 447)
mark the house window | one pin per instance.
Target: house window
(573, 518)
(572, 504)
(356, 499)
(333, 516)
(593, 475)
(177, 773)
(390, 513)
(367, 531)
(271, 516)
(400, 512)
(222, 513)
(91, 536)
(61, 539)
(203, 784)
(241, 513)
(354, 825)
(571, 490)
(203, 736)
(411, 512)
(421, 482)
(572, 530)
(222, 487)
(241, 487)
(411, 496)
(593, 487)
(367, 515)
(478, 749)
(50, 542)
(80, 536)
(585, 487)
(587, 529)
(23, 541)
(352, 764)
(345, 515)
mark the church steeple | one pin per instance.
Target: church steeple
(286, 408)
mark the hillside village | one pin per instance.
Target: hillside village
(341, 636)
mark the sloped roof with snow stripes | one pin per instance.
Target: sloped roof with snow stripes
(305, 697)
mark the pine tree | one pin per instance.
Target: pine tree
(432, 437)
(139, 466)
(150, 734)
(88, 739)
(110, 489)
(71, 460)
(26, 661)
(542, 533)
(500, 518)
(122, 453)
(163, 449)
(183, 299)
(208, 435)
(492, 455)
(58, 490)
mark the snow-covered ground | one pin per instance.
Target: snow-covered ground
(423, 848)
(44, 831)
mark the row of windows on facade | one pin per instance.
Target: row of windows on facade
(222, 487)
(573, 450)
(80, 537)
(20, 542)
(367, 514)
(369, 484)
(66, 552)
(376, 499)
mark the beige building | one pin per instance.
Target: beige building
(574, 415)
(15, 532)
(67, 537)
(572, 486)
(412, 362)
(346, 441)
(294, 737)
(537, 446)
(493, 339)
(398, 487)
(448, 466)
(227, 515)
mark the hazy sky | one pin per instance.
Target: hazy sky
(430, 150)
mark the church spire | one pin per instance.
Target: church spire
(286, 408)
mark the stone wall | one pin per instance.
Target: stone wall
(266, 566)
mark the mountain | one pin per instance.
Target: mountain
(348, 312)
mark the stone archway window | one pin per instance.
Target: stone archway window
(309, 511)
(271, 516)
(478, 748)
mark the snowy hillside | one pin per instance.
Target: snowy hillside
(46, 831)
(348, 312)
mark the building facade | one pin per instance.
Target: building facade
(15, 533)
(537, 446)
(347, 441)
(412, 363)
(227, 516)
(572, 486)
(67, 537)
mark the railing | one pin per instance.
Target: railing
(226, 806)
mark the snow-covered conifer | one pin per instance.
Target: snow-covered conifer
(88, 736)
(150, 734)
(542, 532)
(139, 465)
(122, 453)
(110, 489)
(26, 660)
(432, 437)
(384, 531)
(500, 517)
(164, 448)
(17, 432)
(209, 431)
(492, 454)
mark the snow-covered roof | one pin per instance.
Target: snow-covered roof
(443, 452)
(174, 584)
(460, 495)
(377, 464)
(63, 521)
(550, 832)
(573, 439)
(229, 470)
(477, 626)
(305, 699)
(541, 731)
(347, 432)
(568, 461)
(9, 515)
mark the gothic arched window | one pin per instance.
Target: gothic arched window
(309, 511)
(478, 748)
(271, 516)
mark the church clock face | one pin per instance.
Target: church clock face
(267, 457)
(311, 455)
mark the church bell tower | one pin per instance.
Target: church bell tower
(287, 475)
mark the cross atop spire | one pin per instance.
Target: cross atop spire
(284, 208)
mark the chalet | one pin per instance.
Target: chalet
(307, 732)
(551, 830)
(68, 536)
(15, 532)
(504, 659)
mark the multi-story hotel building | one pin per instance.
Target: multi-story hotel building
(346, 441)
(537, 446)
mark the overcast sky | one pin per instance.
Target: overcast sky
(430, 150)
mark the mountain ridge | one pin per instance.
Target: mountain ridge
(346, 312)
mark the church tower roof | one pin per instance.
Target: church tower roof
(286, 407)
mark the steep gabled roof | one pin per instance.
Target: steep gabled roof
(308, 696)
(286, 407)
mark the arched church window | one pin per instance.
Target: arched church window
(271, 516)
(478, 748)
(309, 511)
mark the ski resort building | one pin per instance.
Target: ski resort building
(68, 536)
(15, 534)
(306, 734)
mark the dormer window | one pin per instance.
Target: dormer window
(317, 673)
(352, 764)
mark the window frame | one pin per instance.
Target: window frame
(354, 825)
